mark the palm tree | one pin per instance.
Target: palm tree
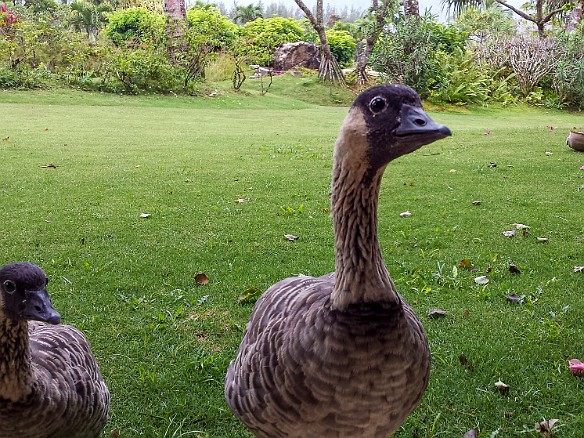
(176, 21)
(243, 14)
(89, 16)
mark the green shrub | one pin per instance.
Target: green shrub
(136, 27)
(342, 46)
(213, 28)
(568, 78)
(408, 52)
(258, 39)
(139, 70)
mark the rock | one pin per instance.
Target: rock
(300, 54)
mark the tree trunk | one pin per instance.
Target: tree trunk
(329, 67)
(176, 15)
(411, 9)
(574, 17)
(371, 40)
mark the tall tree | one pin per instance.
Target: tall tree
(89, 16)
(329, 67)
(411, 9)
(575, 17)
(176, 21)
(378, 15)
(544, 10)
(244, 14)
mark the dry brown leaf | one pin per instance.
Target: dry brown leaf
(201, 279)
(545, 427)
(503, 387)
(437, 313)
(6, 138)
(514, 269)
(464, 263)
(466, 313)
(514, 298)
(464, 360)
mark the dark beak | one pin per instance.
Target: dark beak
(415, 122)
(38, 307)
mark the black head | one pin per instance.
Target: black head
(23, 294)
(395, 123)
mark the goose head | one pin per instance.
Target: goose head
(384, 123)
(23, 294)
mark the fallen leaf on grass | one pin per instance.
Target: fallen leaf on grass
(249, 296)
(514, 298)
(405, 214)
(49, 166)
(549, 153)
(466, 313)
(576, 367)
(471, 433)
(481, 280)
(145, 215)
(452, 170)
(476, 202)
(520, 226)
(464, 361)
(503, 387)
(542, 239)
(464, 264)
(578, 268)
(510, 233)
(437, 313)
(582, 168)
(240, 200)
(290, 237)
(514, 269)
(6, 138)
(550, 127)
(201, 279)
(545, 427)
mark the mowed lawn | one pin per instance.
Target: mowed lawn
(123, 200)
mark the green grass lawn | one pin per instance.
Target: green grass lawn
(224, 179)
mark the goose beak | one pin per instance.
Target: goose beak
(415, 122)
(38, 307)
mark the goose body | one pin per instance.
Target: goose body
(341, 355)
(50, 383)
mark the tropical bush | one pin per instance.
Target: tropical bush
(136, 27)
(258, 39)
(342, 46)
(214, 29)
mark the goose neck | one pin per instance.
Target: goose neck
(361, 274)
(15, 366)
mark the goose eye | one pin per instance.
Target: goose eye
(377, 104)
(9, 286)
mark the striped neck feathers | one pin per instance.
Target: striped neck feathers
(15, 366)
(361, 274)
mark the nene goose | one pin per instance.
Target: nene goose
(341, 355)
(50, 384)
